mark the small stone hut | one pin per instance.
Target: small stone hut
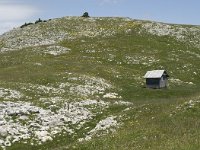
(156, 79)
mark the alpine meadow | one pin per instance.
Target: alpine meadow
(78, 83)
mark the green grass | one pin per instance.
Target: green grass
(148, 124)
(151, 127)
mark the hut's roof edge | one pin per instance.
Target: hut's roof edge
(154, 74)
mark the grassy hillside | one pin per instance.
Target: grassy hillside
(77, 83)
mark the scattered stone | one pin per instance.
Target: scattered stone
(175, 31)
(21, 121)
(8, 94)
(56, 50)
(43, 136)
(103, 125)
(111, 95)
(3, 131)
(1, 142)
(123, 103)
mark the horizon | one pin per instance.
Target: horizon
(15, 13)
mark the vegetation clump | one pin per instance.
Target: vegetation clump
(25, 24)
(36, 22)
(85, 14)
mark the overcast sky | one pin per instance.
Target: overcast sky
(16, 12)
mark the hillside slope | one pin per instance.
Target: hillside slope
(67, 81)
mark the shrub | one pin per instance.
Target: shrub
(38, 21)
(25, 24)
(85, 14)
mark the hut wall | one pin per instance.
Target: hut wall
(163, 82)
(153, 82)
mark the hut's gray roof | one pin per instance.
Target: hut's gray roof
(154, 74)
